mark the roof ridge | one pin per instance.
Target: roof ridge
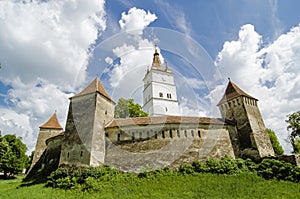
(52, 123)
(157, 120)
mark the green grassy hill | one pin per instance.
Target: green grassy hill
(243, 185)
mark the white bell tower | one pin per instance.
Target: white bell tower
(159, 95)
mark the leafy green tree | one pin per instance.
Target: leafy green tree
(12, 155)
(30, 158)
(275, 142)
(294, 127)
(127, 108)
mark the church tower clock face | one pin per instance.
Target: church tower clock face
(159, 94)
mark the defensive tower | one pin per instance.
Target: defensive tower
(241, 108)
(84, 139)
(49, 129)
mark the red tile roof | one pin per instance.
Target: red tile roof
(233, 91)
(52, 123)
(144, 121)
(94, 86)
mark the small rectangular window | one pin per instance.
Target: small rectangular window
(161, 95)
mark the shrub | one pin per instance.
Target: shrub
(241, 165)
(214, 166)
(276, 169)
(200, 167)
(60, 173)
(228, 165)
(186, 169)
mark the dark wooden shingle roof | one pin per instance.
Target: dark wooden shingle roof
(144, 121)
(94, 86)
(233, 91)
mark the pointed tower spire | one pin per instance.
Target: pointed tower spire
(94, 86)
(52, 123)
(233, 91)
(156, 60)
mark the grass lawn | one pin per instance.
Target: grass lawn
(174, 186)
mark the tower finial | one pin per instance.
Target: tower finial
(229, 79)
(156, 60)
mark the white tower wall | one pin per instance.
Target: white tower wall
(159, 95)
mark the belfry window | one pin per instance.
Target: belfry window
(161, 95)
(169, 96)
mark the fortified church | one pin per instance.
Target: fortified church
(93, 137)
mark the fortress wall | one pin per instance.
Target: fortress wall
(260, 137)
(41, 146)
(47, 162)
(147, 147)
(76, 145)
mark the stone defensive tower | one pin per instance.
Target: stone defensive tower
(159, 94)
(49, 129)
(84, 138)
(241, 108)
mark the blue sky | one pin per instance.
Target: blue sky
(53, 49)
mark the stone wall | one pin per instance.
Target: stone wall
(84, 142)
(253, 139)
(47, 162)
(139, 148)
(40, 147)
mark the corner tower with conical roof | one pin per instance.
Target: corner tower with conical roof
(49, 129)
(241, 108)
(159, 94)
(84, 138)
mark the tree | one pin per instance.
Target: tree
(127, 108)
(275, 143)
(294, 127)
(30, 158)
(12, 155)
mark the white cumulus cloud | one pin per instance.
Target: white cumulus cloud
(136, 19)
(44, 52)
(268, 72)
